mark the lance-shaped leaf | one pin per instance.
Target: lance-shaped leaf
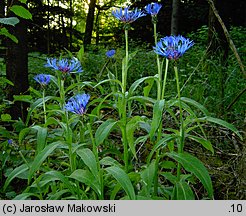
(39, 159)
(195, 166)
(182, 191)
(103, 131)
(157, 117)
(123, 179)
(89, 159)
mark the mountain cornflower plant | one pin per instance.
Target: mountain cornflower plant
(153, 9)
(173, 47)
(110, 53)
(66, 66)
(42, 79)
(77, 104)
(127, 16)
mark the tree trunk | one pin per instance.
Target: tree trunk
(97, 26)
(48, 24)
(71, 25)
(218, 45)
(89, 23)
(175, 17)
(2, 5)
(17, 68)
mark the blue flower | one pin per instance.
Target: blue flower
(10, 141)
(127, 16)
(65, 65)
(173, 47)
(153, 9)
(77, 104)
(42, 79)
(110, 53)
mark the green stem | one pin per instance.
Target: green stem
(35, 179)
(124, 103)
(159, 84)
(165, 80)
(158, 66)
(44, 107)
(95, 152)
(69, 140)
(181, 142)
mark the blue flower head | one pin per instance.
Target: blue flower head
(66, 66)
(173, 47)
(42, 79)
(110, 53)
(77, 104)
(10, 141)
(153, 9)
(126, 16)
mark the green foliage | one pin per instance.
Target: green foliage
(128, 144)
(9, 21)
(21, 11)
(5, 32)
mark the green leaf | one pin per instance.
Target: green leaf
(35, 105)
(23, 98)
(39, 159)
(63, 179)
(162, 143)
(80, 53)
(224, 124)
(138, 82)
(195, 166)
(170, 177)
(147, 88)
(130, 128)
(205, 143)
(123, 179)
(195, 104)
(22, 134)
(86, 177)
(142, 99)
(3, 80)
(89, 159)
(110, 81)
(183, 191)
(108, 161)
(103, 131)
(5, 117)
(17, 171)
(9, 21)
(21, 12)
(168, 165)
(23, 1)
(41, 137)
(157, 117)
(24, 196)
(5, 32)
(58, 195)
(148, 176)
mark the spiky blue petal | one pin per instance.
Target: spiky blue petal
(173, 47)
(127, 16)
(153, 9)
(77, 104)
(42, 79)
(65, 65)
